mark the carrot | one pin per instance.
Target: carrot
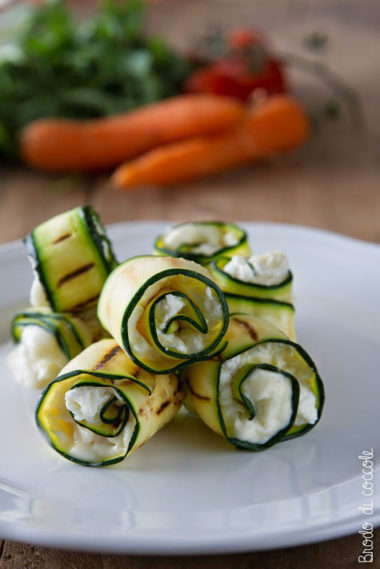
(72, 145)
(272, 126)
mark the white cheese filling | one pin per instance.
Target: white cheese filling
(268, 269)
(271, 395)
(307, 411)
(37, 293)
(183, 337)
(37, 359)
(201, 239)
(85, 403)
(281, 356)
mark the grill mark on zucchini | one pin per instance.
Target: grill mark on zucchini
(251, 331)
(106, 358)
(197, 395)
(75, 273)
(143, 412)
(163, 406)
(62, 238)
(136, 372)
(81, 305)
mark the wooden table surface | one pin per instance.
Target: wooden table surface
(333, 183)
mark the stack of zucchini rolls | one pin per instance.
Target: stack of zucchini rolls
(202, 319)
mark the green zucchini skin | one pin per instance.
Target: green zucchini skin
(231, 285)
(98, 234)
(140, 397)
(72, 257)
(278, 313)
(189, 358)
(298, 430)
(202, 380)
(168, 270)
(280, 435)
(47, 434)
(184, 251)
(62, 326)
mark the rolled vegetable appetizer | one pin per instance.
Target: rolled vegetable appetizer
(261, 390)
(103, 407)
(165, 312)
(71, 258)
(259, 276)
(203, 241)
(260, 285)
(46, 341)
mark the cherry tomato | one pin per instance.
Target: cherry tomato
(246, 67)
(232, 77)
(241, 38)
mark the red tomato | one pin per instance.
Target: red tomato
(241, 38)
(232, 77)
(246, 67)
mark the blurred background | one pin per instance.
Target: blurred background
(328, 53)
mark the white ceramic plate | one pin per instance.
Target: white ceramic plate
(188, 491)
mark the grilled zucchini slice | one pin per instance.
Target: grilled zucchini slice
(203, 241)
(46, 341)
(103, 407)
(71, 257)
(261, 389)
(165, 312)
(67, 330)
(279, 314)
(281, 291)
(269, 298)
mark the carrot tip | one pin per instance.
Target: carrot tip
(124, 177)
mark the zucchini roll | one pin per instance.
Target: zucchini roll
(46, 341)
(260, 390)
(103, 407)
(203, 241)
(71, 258)
(260, 286)
(259, 276)
(165, 312)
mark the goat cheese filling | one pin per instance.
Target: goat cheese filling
(268, 269)
(86, 404)
(171, 321)
(37, 359)
(37, 294)
(199, 239)
(270, 392)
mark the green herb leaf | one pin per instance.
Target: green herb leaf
(105, 65)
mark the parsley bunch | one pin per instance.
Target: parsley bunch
(103, 66)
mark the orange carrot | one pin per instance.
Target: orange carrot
(68, 145)
(272, 126)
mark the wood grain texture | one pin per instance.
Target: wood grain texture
(345, 200)
(336, 554)
(27, 198)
